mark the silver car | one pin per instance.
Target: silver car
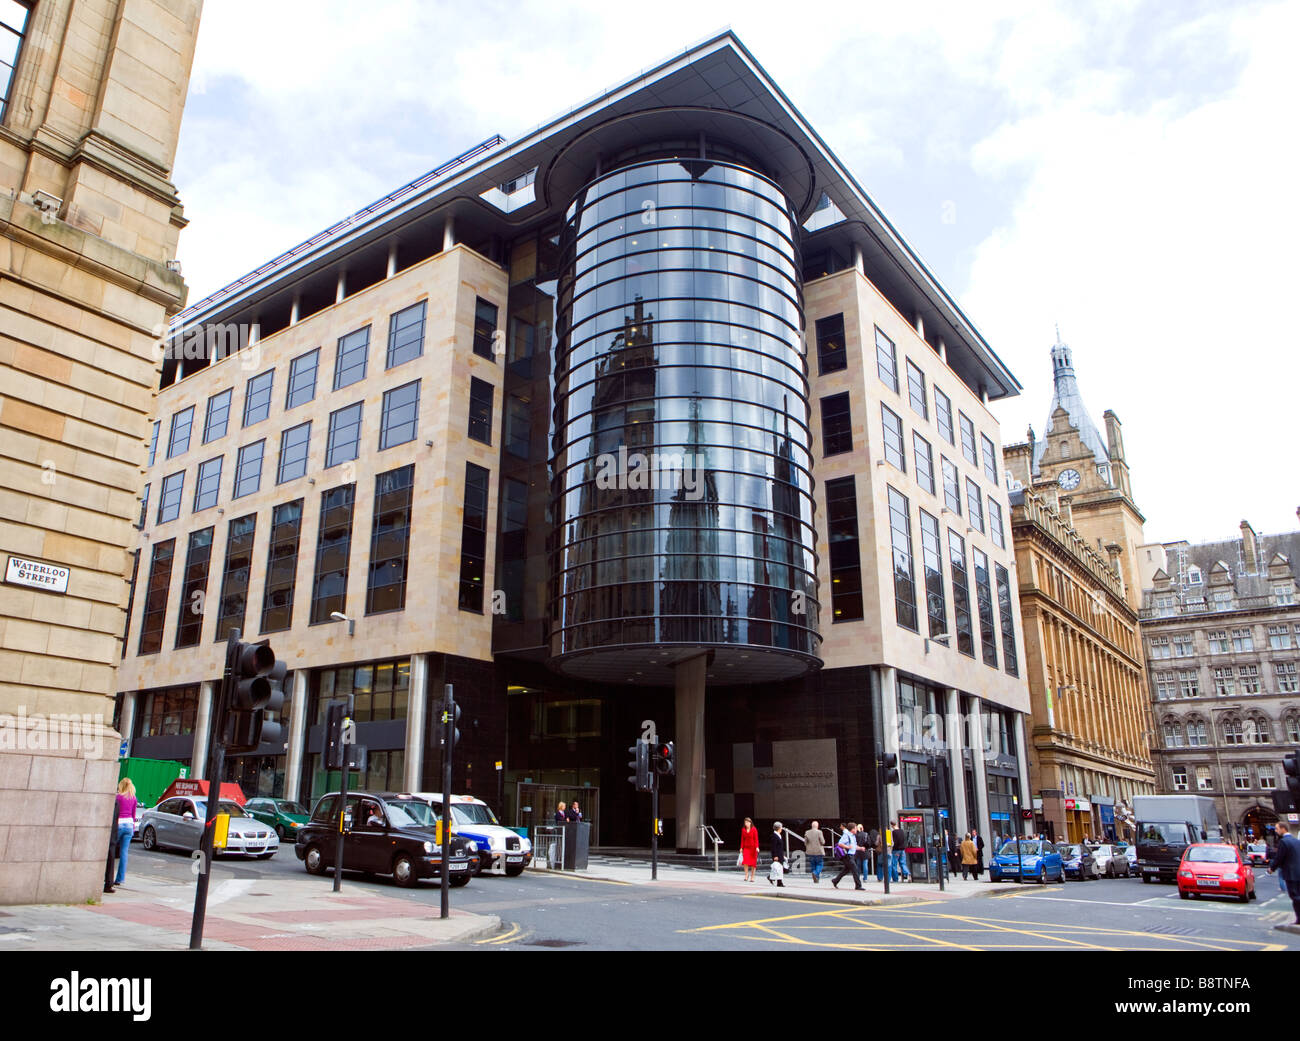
(177, 823)
(1112, 860)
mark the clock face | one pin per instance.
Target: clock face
(1069, 479)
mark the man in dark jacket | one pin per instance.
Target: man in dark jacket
(1286, 860)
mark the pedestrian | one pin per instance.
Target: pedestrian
(573, 814)
(1286, 862)
(860, 837)
(885, 858)
(776, 874)
(110, 865)
(847, 850)
(749, 849)
(969, 856)
(978, 840)
(900, 857)
(125, 804)
(815, 851)
(873, 844)
(954, 852)
(560, 815)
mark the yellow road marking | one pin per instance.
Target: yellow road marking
(512, 934)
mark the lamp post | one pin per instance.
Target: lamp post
(339, 616)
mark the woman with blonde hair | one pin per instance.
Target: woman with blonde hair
(126, 804)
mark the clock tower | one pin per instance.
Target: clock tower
(1084, 473)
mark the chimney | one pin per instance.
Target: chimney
(1114, 440)
(1248, 548)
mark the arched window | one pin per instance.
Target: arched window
(1260, 732)
(1173, 734)
(1293, 728)
(1233, 733)
(1197, 733)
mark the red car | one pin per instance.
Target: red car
(1216, 869)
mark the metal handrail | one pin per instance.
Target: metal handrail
(709, 834)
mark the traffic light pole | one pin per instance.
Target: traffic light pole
(654, 827)
(448, 732)
(216, 766)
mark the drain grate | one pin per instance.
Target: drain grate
(1174, 930)
(553, 943)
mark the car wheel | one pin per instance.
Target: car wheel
(1185, 896)
(149, 840)
(460, 880)
(1042, 875)
(279, 830)
(314, 861)
(1252, 893)
(515, 871)
(1146, 879)
(403, 871)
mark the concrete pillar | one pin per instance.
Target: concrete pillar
(981, 809)
(943, 350)
(889, 735)
(202, 723)
(392, 260)
(956, 739)
(126, 721)
(689, 677)
(1022, 769)
(294, 309)
(416, 711)
(920, 325)
(297, 736)
(448, 232)
(859, 261)
(341, 289)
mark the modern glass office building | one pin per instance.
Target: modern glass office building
(649, 420)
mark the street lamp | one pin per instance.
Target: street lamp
(940, 638)
(339, 616)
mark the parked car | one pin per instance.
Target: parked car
(1215, 869)
(1257, 853)
(500, 850)
(384, 833)
(1040, 861)
(284, 815)
(177, 823)
(1131, 854)
(1079, 862)
(1112, 861)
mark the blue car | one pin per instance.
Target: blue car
(1037, 862)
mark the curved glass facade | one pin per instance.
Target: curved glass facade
(682, 487)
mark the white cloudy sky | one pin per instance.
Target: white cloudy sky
(1126, 169)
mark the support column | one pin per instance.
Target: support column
(981, 809)
(1022, 768)
(341, 290)
(858, 261)
(295, 309)
(956, 771)
(297, 736)
(126, 720)
(943, 350)
(689, 677)
(889, 735)
(416, 711)
(448, 232)
(202, 723)
(392, 260)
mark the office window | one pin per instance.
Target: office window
(473, 539)
(207, 485)
(480, 410)
(887, 361)
(1010, 660)
(936, 600)
(916, 390)
(943, 415)
(329, 591)
(1249, 676)
(281, 567)
(169, 500)
(1288, 677)
(1204, 782)
(1222, 600)
(401, 416)
(900, 537)
(1183, 647)
(1165, 687)
(194, 588)
(380, 691)
(1243, 640)
(960, 594)
(1267, 779)
(831, 353)
(257, 397)
(13, 27)
(846, 561)
(144, 507)
(837, 425)
(1224, 684)
(179, 439)
(1158, 647)
(153, 442)
(1284, 595)
(1197, 734)
(1233, 733)
(350, 358)
(406, 335)
(518, 428)
(1279, 638)
(344, 435)
(996, 530)
(1180, 778)
(1173, 735)
(893, 426)
(302, 379)
(951, 486)
(990, 459)
(1189, 684)
(974, 505)
(217, 418)
(390, 539)
(924, 462)
(154, 616)
(967, 438)
(248, 469)
(984, 601)
(485, 328)
(294, 446)
(240, 534)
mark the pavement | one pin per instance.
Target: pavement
(153, 913)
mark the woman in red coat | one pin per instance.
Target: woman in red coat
(749, 849)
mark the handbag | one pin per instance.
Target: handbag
(776, 872)
(740, 860)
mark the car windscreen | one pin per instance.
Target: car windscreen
(472, 813)
(225, 806)
(1027, 849)
(411, 813)
(1257, 847)
(1211, 855)
(1163, 833)
(285, 806)
(1069, 852)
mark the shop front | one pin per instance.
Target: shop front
(1078, 819)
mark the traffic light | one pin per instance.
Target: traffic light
(889, 768)
(1291, 766)
(639, 764)
(256, 686)
(450, 732)
(336, 720)
(663, 759)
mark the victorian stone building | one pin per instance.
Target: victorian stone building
(1076, 531)
(91, 95)
(1221, 623)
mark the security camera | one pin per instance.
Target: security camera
(45, 202)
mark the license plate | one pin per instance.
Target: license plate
(459, 867)
(1011, 871)
(514, 860)
(1207, 881)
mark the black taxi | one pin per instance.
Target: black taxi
(384, 833)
